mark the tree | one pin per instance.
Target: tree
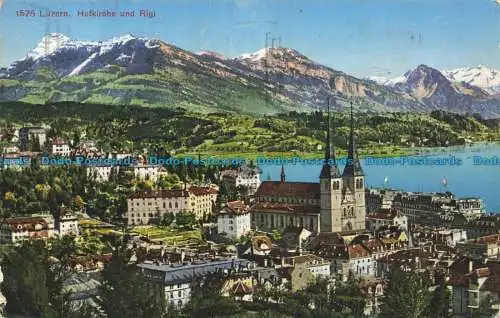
(123, 292)
(78, 202)
(185, 219)
(207, 302)
(277, 235)
(33, 279)
(25, 282)
(348, 297)
(440, 300)
(168, 219)
(407, 295)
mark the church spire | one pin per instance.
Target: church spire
(282, 176)
(353, 166)
(330, 168)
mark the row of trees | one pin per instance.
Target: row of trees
(135, 128)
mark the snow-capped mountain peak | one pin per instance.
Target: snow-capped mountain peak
(48, 44)
(52, 42)
(381, 80)
(254, 57)
(480, 76)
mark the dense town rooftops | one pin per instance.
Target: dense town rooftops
(382, 214)
(406, 256)
(495, 238)
(289, 189)
(342, 251)
(323, 239)
(285, 208)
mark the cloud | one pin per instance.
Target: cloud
(1, 4)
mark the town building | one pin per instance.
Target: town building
(10, 150)
(380, 198)
(102, 173)
(422, 208)
(470, 207)
(486, 247)
(67, 224)
(234, 220)
(171, 284)
(147, 172)
(374, 291)
(148, 205)
(60, 147)
(451, 237)
(475, 287)
(17, 230)
(386, 218)
(335, 204)
(27, 135)
(243, 176)
(293, 238)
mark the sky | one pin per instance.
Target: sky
(360, 37)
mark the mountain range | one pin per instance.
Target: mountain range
(151, 72)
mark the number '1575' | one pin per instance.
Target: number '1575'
(25, 13)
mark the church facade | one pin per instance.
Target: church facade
(335, 204)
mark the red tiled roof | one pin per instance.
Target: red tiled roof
(27, 223)
(458, 281)
(235, 207)
(486, 239)
(324, 239)
(289, 189)
(59, 141)
(285, 208)
(358, 250)
(199, 191)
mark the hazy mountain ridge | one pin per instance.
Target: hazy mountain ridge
(150, 72)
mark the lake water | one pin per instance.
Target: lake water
(464, 180)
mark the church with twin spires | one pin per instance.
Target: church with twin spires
(335, 204)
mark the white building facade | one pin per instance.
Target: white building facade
(234, 220)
